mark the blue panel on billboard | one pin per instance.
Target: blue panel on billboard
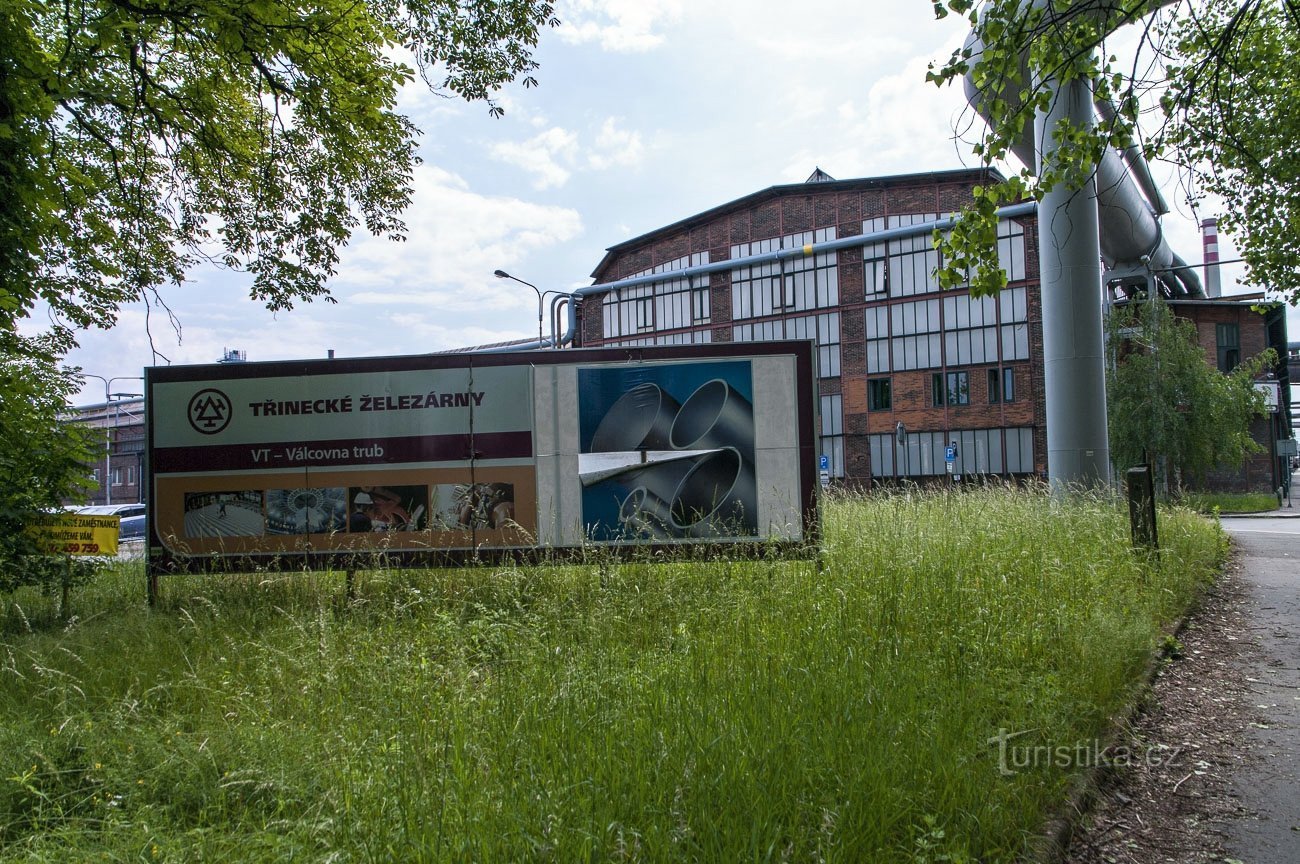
(668, 451)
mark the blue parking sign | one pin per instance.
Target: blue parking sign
(825, 463)
(950, 454)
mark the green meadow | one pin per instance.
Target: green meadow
(846, 709)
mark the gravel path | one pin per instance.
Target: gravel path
(1209, 769)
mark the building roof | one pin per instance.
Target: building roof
(824, 183)
(490, 346)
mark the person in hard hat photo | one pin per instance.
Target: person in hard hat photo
(358, 520)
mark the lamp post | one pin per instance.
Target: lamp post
(541, 298)
(501, 274)
(108, 448)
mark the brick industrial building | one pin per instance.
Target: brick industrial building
(1229, 331)
(904, 368)
(893, 349)
(117, 471)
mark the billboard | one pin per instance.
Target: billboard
(454, 456)
(75, 533)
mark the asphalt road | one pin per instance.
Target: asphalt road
(1269, 785)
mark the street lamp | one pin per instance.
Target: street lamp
(501, 274)
(108, 449)
(541, 298)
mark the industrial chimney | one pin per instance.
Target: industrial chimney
(1210, 246)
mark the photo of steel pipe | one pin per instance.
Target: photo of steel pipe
(715, 415)
(645, 515)
(716, 498)
(641, 419)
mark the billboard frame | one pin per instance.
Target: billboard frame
(163, 560)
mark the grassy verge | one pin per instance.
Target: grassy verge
(1230, 502)
(726, 711)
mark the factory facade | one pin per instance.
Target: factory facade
(905, 370)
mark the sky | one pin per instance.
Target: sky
(647, 112)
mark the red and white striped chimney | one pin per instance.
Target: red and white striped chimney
(1210, 248)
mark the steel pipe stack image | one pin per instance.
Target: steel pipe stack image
(707, 491)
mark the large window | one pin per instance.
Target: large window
(795, 284)
(832, 432)
(673, 304)
(905, 266)
(1227, 339)
(979, 451)
(824, 329)
(1014, 319)
(970, 330)
(916, 335)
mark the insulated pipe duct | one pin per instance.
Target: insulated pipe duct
(1136, 162)
(1072, 228)
(1074, 371)
(1129, 230)
(857, 241)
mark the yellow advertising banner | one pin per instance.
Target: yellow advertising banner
(75, 534)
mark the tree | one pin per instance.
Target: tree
(137, 136)
(1210, 89)
(41, 460)
(1167, 405)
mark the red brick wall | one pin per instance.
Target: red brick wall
(845, 210)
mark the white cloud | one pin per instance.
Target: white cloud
(456, 239)
(547, 156)
(552, 156)
(617, 25)
(615, 146)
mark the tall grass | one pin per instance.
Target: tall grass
(839, 710)
(1230, 502)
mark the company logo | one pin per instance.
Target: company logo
(209, 411)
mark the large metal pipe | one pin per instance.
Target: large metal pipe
(645, 515)
(1129, 230)
(715, 415)
(1074, 370)
(716, 498)
(1108, 214)
(640, 419)
(1136, 162)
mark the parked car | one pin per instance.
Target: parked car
(131, 517)
(132, 528)
(123, 510)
